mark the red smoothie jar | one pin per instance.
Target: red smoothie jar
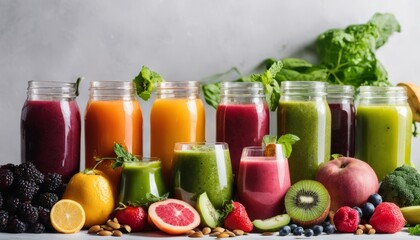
(50, 128)
(242, 118)
(340, 98)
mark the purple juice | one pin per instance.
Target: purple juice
(50, 136)
(241, 125)
(342, 128)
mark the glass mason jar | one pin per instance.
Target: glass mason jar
(113, 115)
(140, 178)
(304, 112)
(242, 118)
(177, 115)
(340, 99)
(200, 167)
(383, 128)
(50, 128)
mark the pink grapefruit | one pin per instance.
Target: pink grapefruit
(173, 216)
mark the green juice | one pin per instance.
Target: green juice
(383, 136)
(140, 178)
(311, 122)
(202, 170)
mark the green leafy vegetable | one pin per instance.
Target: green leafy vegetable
(414, 230)
(347, 55)
(146, 82)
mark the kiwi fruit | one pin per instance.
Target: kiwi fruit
(272, 224)
(307, 202)
(208, 214)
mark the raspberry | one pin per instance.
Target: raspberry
(346, 219)
(4, 217)
(387, 218)
(27, 212)
(46, 200)
(6, 178)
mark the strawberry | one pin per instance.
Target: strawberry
(237, 218)
(134, 216)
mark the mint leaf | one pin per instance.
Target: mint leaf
(146, 82)
(268, 139)
(288, 140)
(122, 156)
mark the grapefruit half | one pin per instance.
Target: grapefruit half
(173, 216)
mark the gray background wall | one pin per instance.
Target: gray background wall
(182, 40)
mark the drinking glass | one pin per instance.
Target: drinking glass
(263, 181)
(202, 167)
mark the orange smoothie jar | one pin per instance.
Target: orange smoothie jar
(177, 115)
(113, 115)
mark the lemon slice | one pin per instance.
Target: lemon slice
(413, 94)
(67, 216)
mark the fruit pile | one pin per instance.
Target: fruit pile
(26, 198)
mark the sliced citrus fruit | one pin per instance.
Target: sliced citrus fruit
(67, 216)
(174, 216)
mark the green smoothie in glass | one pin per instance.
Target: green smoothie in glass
(304, 112)
(140, 178)
(202, 167)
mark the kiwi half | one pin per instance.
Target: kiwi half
(307, 202)
(209, 215)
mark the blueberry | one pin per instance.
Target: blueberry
(368, 210)
(329, 229)
(298, 231)
(375, 199)
(292, 227)
(359, 211)
(325, 224)
(309, 232)
(284, 231)
(318, 229)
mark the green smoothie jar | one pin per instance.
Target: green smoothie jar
(304, 111)
(141, 178)
(202, 167)
(383, 128)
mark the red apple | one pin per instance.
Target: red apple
(349, 181)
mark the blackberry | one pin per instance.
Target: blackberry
(11, 203)
(14, 225)
(36, 228)
(28, 171)
(27, 213)
(9, 166)
(4, 217)
(46, 200)
(26, 190)
(1, 201)
(44, 216)
(53, 182)
(6, 178)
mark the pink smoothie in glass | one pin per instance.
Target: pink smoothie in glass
(241, 125)
(262, 185)
(50, 136)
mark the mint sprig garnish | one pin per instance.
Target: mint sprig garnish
(287, 140)
(146, 82)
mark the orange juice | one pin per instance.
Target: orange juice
(112, 116)
(177, 115)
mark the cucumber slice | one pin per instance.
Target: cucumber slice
(272, 224)
(209, 215)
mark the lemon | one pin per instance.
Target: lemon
(67, 216)
(94, 192)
